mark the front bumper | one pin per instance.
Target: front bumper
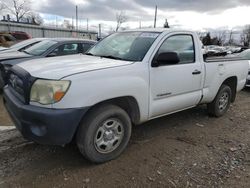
(43, 125)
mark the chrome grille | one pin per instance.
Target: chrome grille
(16, 83)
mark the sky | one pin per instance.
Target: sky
(190, 14)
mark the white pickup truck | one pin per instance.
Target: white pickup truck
(126, 79)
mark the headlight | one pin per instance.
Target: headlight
(48, 91)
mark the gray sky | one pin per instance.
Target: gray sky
(195, 14)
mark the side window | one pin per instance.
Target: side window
(70, 49)
(86, 47)
(183, 45)
(66, 49)
(28, 46)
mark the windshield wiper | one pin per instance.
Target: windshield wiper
(26, 52)
(89, 54)
(111, 57)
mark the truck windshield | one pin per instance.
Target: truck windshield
(128, 46)
(40, 48)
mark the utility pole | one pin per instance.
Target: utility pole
(56, 21)
(155, 16)
(140, 24)
(100, 30)
(76, 17)
(87, 24)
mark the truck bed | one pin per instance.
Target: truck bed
(222, 59)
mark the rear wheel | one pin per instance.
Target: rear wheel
(104, 133)
(221, 103)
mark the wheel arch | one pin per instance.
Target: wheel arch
(127, 103)
(232, 83)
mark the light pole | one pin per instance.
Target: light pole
(155, 16)
(76, 17)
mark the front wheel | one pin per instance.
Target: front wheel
(1, 82)
(104, 133)
(221, 103)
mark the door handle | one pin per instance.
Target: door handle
(196, 72)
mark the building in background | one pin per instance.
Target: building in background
(49, 32)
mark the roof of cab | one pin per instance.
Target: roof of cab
(157, 30)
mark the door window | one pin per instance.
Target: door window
(86, 46)
(66, 49)
(183, 45)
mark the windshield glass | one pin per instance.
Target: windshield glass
(23, 43)
(245, 54)
(129, 46)
(40, 48)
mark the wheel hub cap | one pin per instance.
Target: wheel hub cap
(223, 101)
(109, 136)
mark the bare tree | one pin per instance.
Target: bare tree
(221, 37)
(245, 36)
(35, 18)
(1, 6)
(231, 38)
(120, 19)
(67, 24)
(111, 30)
(18, 8)
(200, 34)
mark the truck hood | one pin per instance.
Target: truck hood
(13, 55)
(59, 67)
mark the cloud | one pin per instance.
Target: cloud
(178, 12)
(106, 9)
(194, 5)
(93, 9)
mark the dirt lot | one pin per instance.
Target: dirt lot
(188, 149)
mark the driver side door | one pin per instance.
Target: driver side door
(175, 87)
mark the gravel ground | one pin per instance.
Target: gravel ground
(187, 149)
(4, 117)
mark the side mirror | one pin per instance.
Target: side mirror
(166, 58)
(53, 54)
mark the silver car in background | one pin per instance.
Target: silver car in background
(21, 46)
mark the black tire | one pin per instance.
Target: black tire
(92, 123)
(215, 108)
(1, 84)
